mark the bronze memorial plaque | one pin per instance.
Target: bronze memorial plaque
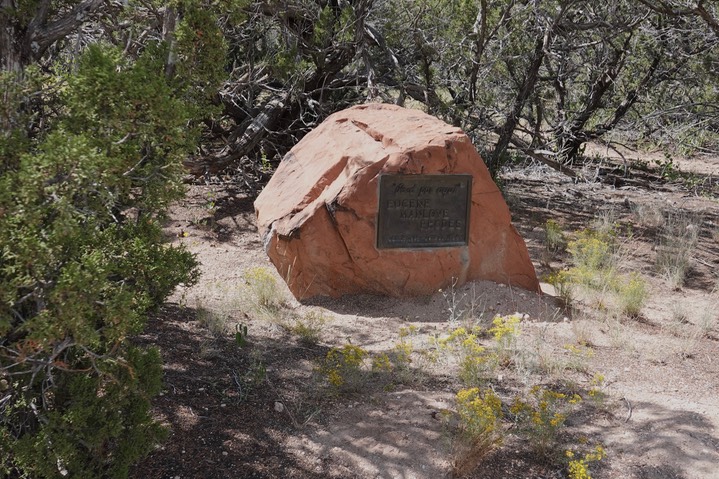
(423, 211)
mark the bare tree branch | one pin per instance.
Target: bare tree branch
(39, 38)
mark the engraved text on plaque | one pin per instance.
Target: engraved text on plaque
(423, 211)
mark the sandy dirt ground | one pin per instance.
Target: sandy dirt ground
(259, 408)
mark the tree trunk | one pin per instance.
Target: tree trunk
(248, 141)
(510, 123)
(9, 49)
(169, 23)
(20, 44)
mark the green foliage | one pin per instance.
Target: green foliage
(668, 170)
(251, 378)
(92, 425)
(201, 49)
(13, 120)
(333, 28)
(241, 334)
(83, 260)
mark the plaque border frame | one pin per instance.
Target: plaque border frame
(462, 176)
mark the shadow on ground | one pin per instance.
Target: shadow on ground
(217, 405)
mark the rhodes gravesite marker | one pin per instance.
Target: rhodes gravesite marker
(386, 200)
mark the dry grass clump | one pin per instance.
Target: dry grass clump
(676, 244)
(648, 216)
(555, 241)
(217, 323)
(632, 293)
(309, 327)
(263, 290)
(596, 257)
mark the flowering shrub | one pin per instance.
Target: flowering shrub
(402, 351)
(309, 327)
(554, 239)
(480, 414)
(505, 330)
(480, 423)
(592, 253)
(595, 393)
(475, 362)
(342, 367)
(542, 415)
(563, 285)
(595, 267)
(345, 369)
(578, 356)
(579, 468)
(381, 363)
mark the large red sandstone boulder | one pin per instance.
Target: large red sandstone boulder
(318, 214)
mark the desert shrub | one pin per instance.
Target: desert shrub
(595, 392)
(252, 376)
(83, 261)
(505, 330)
(632, 294)
(475, 361)
(455, 302)
(215, 322)
(578, 356)
(649, 215)
(480, 426)
(480, 415)
(541, 416)
(401, 354)
(309, 327)
(593, 259)
(555, 241)
(595, 267)
(563, 285)
(578, 467)
(381, 363)
(343, 368)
